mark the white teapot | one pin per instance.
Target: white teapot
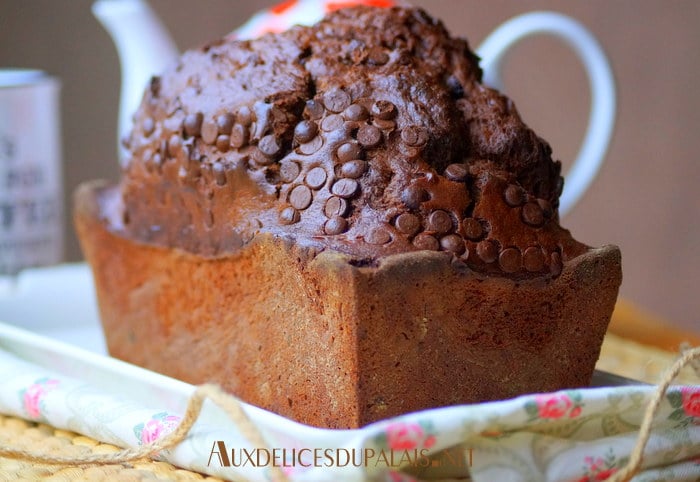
(145, 48)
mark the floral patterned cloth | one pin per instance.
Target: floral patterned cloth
(573, 435)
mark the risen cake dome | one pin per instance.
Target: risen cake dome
(368, 133)
(340, 224)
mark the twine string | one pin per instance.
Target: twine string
(689, 357)
(230, 405)
(695, 362)
(233, 408)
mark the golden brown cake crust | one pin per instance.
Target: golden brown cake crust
(315, 338)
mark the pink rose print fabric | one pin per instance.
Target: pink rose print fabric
(686, 404)
(407, 436)
(555, 406)
(399, 436)
(33, 396)
(691, 401)
(598, 468)
(158, 426)
(582, 435)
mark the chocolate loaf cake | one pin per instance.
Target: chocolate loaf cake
(340, 223)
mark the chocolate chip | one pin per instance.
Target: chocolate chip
(349, 151)
(353, 169)
(369, 136)
(413, 196)
(439, 221)
(336, 206)
(316, 177)
(148, 126)
(415, 136)
(377, 56)
(335, 225)
(510, 260)
(427, 242)
(556, 265)
(473, 229)
(452, 243)
(209, 131)
(532, 214)
(533, 259)
(239, 136)
(312, 146)
(456, 172)
(193, 124)
(407, 223)
(224, 122)
(487, 250)
(289, 215)
(260, 158)
(305, 131)
(223, 142)
(336, 100)
(383, 109)
(300, 197)
(345, 188)
(356, 112)
(332, 122)
(289, 170)
(386, 125)
(269, 145)
(514, 195)
(219, 173)
(314, 109)
(244, 116)
(378, 236)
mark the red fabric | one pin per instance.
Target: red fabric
(331, 6)
(280, 8)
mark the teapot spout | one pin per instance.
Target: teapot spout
(144, 47)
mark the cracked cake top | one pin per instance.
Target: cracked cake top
(369, 133)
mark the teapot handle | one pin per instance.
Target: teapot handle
(144, 47)
(602, 86)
